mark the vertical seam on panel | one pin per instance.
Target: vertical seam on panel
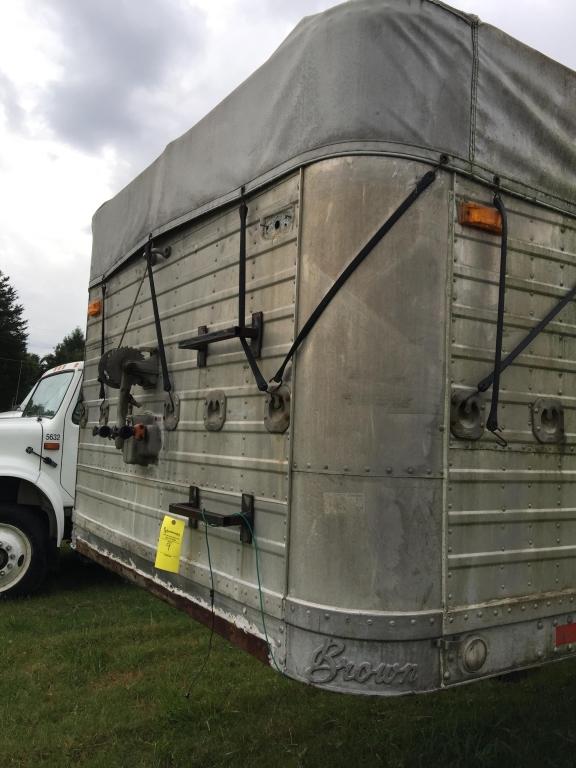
(473, 91)
(292, 400)
(447, 401)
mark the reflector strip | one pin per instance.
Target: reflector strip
(51, 446)
(566, 634)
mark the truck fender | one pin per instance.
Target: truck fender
(50, 490)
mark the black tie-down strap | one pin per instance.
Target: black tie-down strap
(102, 393)
(492, 421)
(500, 365)
(149, 252)
(421, 186)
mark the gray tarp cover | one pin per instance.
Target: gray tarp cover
(411, 77)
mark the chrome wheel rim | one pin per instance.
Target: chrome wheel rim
(15, 556)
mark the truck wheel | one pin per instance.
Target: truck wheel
(23, 550)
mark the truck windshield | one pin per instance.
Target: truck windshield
(48, 395)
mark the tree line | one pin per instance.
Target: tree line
(19, 368)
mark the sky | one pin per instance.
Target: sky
(91, 91)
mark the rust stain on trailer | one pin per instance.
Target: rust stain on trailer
(253, 645)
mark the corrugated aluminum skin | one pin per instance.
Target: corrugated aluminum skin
(511, 534)
(406, 77)
(123, 504)
(395, 557)
(388, 547)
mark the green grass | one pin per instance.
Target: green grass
(93, 672)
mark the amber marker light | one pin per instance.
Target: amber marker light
(94, 308)
(51, 446)
(480, 217)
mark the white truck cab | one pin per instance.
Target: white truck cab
(38, 452)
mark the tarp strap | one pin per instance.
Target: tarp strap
(261, 382)
(529, 338)
(161, 350)
(102, 336)
(492, 421)
(421, 186)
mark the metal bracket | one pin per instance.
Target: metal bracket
(195, 514)
(253, 332)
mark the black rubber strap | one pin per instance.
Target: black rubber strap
(165, 377)
(529, 338)
(261, 382)
(492, 421)
(102, 337)
(420, 187)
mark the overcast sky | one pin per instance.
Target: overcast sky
(92, 90)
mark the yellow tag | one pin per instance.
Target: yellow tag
(169, 545)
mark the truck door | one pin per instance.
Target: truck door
(20, 447)
(47, 408)
(69, 444)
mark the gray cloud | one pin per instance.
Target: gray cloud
(293, 11)
(10, 104)
(116, 52)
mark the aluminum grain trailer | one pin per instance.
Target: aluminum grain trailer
(332, 331)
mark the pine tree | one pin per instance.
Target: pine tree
(13, 336)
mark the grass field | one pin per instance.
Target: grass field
(93, 672)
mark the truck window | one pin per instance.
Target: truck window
(79, 409)
(48, 395)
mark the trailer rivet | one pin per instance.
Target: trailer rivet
(479, 614)
(327, 616)
(540, 625)
(446, 675)
(432, 620)
(369, 621)
(392, 623)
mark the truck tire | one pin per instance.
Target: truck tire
(23, 550)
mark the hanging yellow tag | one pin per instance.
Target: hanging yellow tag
(170, 544)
